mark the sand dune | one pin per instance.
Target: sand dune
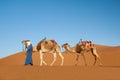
(58, 73)
(12, 67)
(110, 56)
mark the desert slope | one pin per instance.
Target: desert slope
(110, 56)
(12, 67)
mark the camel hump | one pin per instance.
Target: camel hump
(54, 42)
(47, 43)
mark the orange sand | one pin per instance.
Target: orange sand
(12, 67)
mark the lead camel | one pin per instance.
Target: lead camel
(49, 46)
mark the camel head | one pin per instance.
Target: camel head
(66, 46)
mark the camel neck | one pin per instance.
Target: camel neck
(68, 48)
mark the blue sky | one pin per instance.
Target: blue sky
(61, 20)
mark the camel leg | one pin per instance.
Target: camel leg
(44, 62)
(41, 58)
(77, 59)
(54, 54)
(84, 58)
(95, 59)
(60, 54)
(96, 56)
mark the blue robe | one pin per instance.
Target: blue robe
(29, 55)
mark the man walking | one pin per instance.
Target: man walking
(29, 48)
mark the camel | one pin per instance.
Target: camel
(51, 46)
(81, 48)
